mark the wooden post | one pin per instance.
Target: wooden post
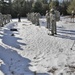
(34, 72)
(61, 73)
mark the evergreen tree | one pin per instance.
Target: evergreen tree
(54, 4)
(4, 7)
(44, 1)
(71, 6)
(37, 7)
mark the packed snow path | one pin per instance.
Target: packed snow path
(32, 49)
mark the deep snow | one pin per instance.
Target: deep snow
(32, 49)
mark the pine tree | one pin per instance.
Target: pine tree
(71, 6)
(54, 4)
(37, 6)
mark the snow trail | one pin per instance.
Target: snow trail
(31, 48)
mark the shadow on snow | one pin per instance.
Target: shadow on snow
(14, 63)
(11, 40)
(66, 34)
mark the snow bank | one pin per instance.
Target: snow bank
(32, 49)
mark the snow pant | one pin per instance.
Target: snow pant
(48, 24)
(72, 17)
(53, 30)
(1, 23)
(37, 22)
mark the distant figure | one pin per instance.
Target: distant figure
(37, 19)
(19, 18)
(53, 22)
(34, 18)
(72, 16)
(48, 19)
(1, 19)
(57, 14)
(9, 18)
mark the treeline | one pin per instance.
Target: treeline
(23, 7)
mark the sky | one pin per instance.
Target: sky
(60, 0)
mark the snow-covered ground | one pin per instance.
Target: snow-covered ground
(32, 49)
